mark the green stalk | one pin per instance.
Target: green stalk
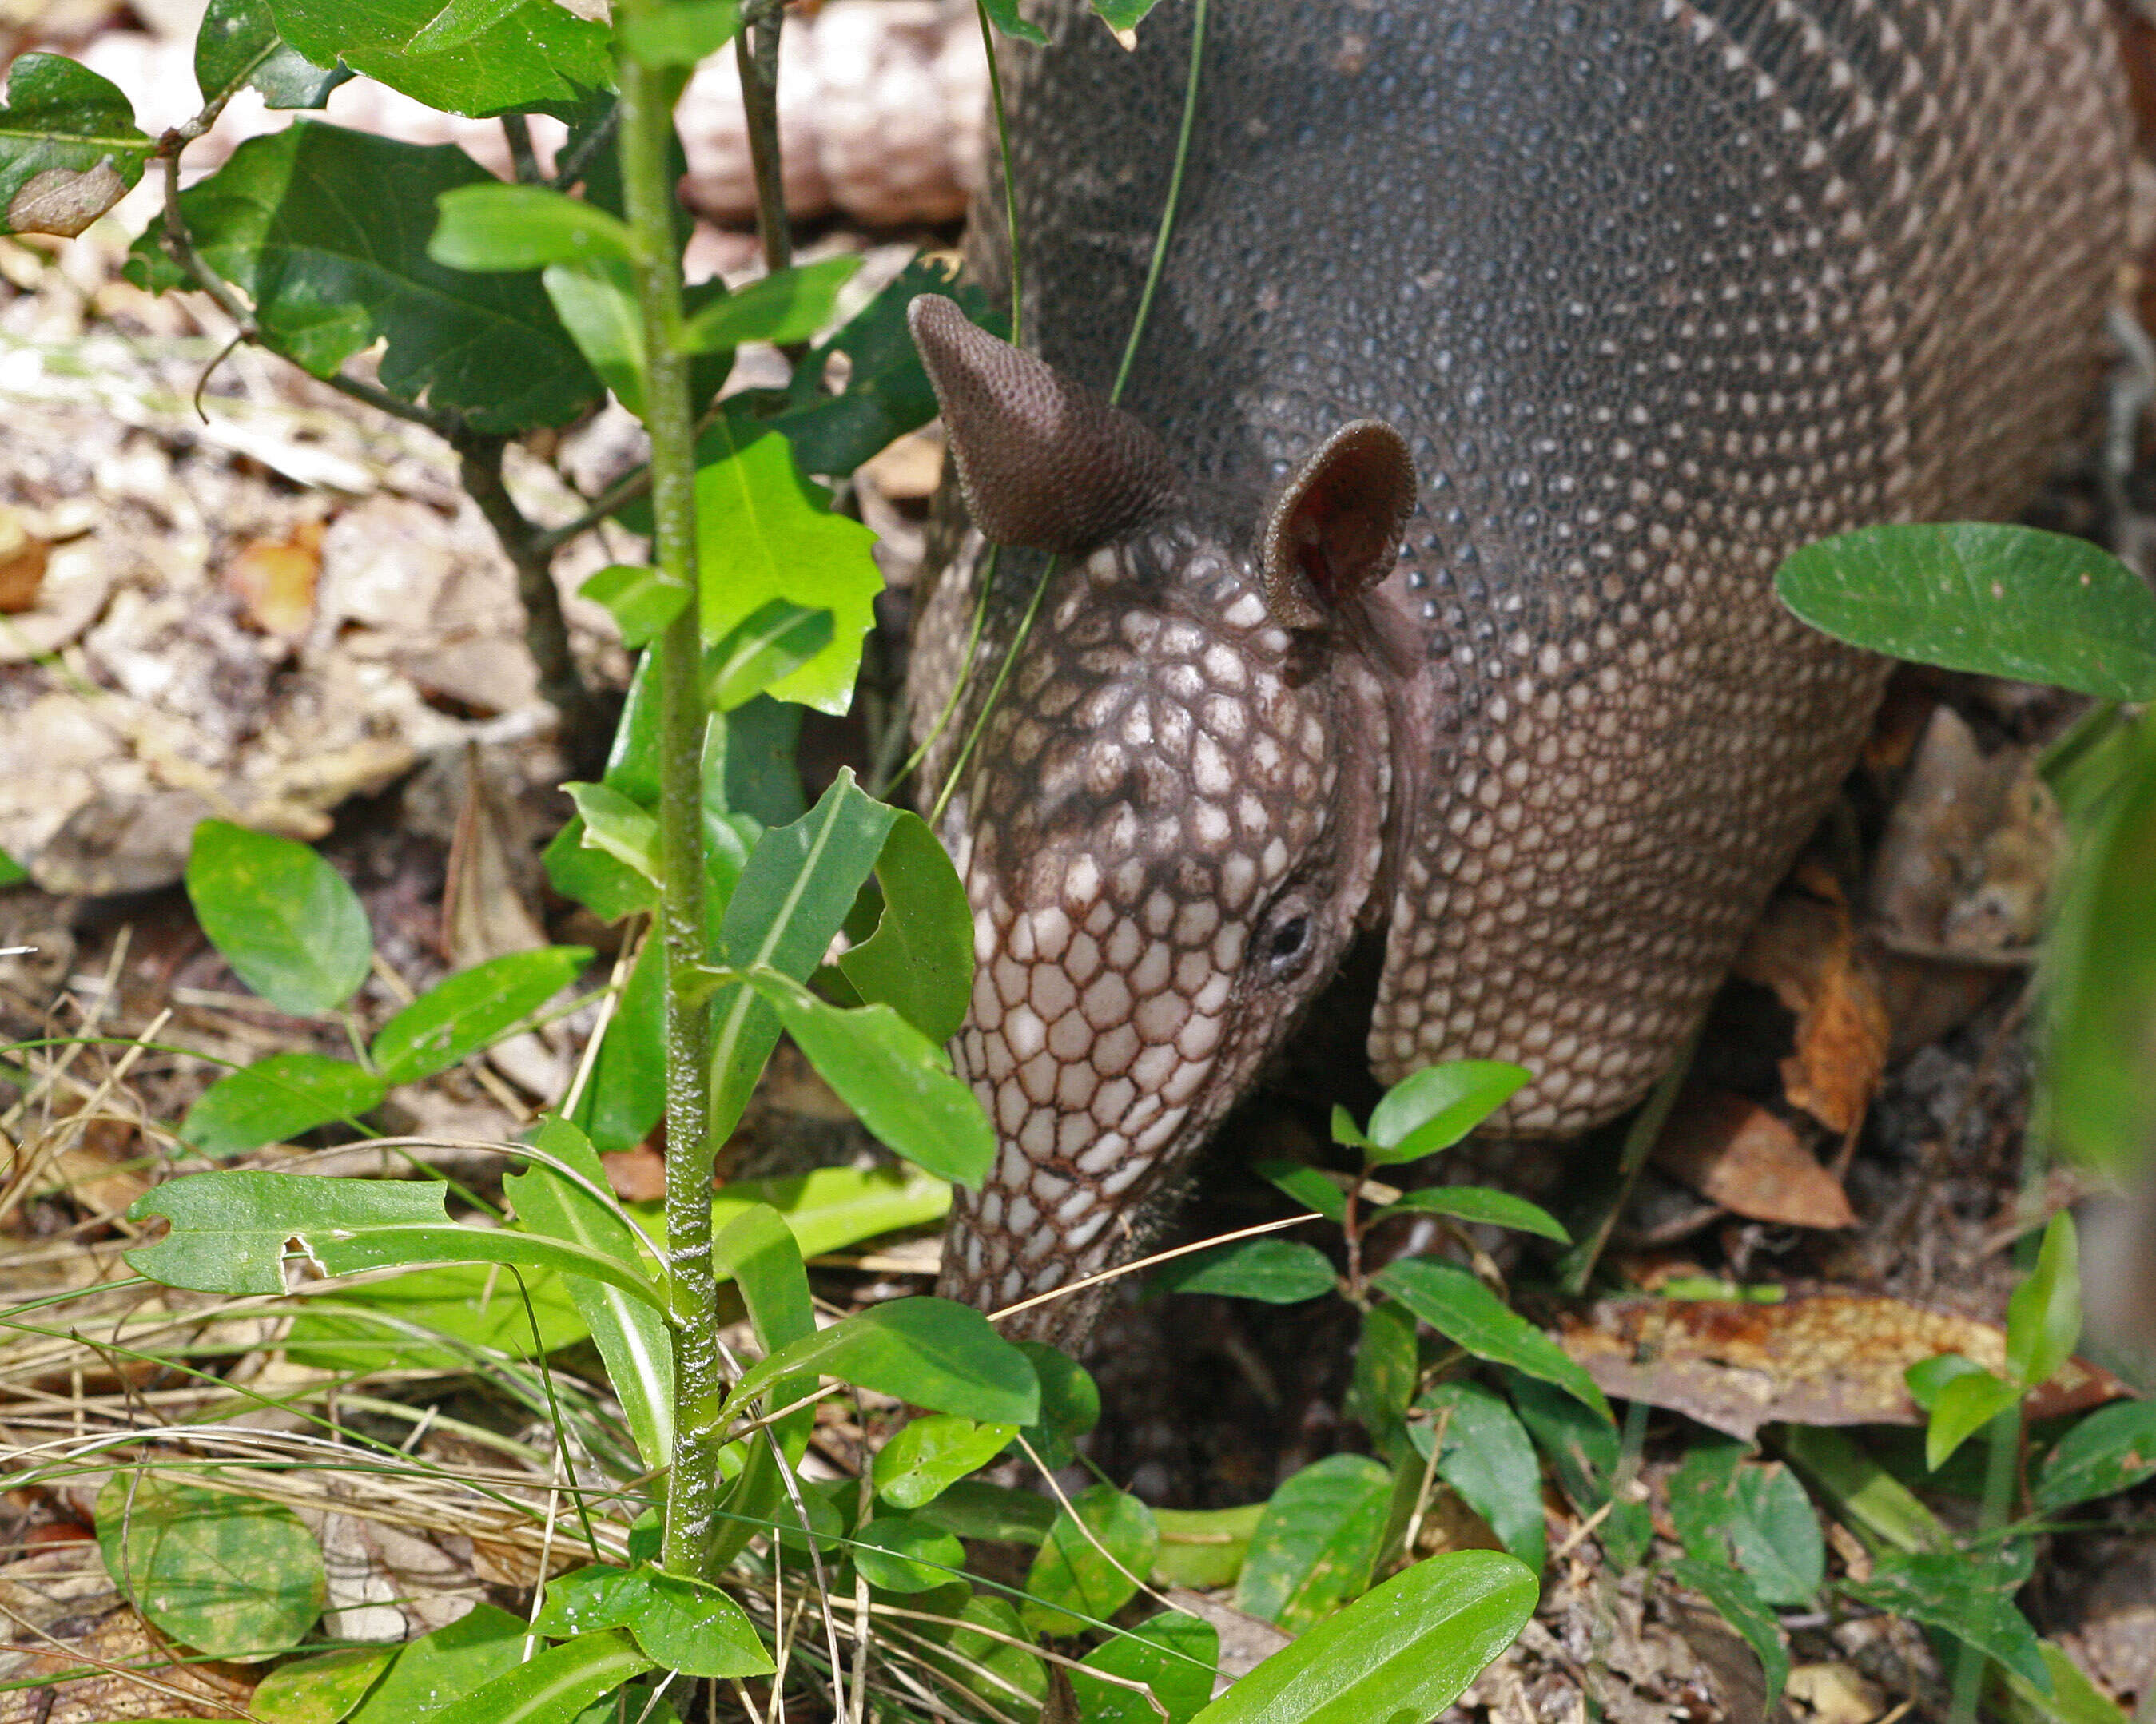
(693, 1483)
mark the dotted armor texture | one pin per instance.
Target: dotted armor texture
(1657, 291)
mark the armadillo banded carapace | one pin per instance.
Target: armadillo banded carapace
(1502, 350)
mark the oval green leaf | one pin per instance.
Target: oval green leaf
(1433, 1109)
(1478, 1204)
(1094, 1557)
(2113, 1450)
(276, 1099)
(902, 1554)
(500, 227)
(1318, 1542)
(790, 305)
(684, 1625)
(933, 1353)
(1486, 1456)
(932, 1453)
(1272, 1271)
(1467, 1313)
(471, 1010)
(1173, 1653)
(284, 919)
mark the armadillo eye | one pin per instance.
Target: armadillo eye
(1284, 943)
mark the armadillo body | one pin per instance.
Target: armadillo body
(1651, 292)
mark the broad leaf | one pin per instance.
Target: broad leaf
(764, 532)
(237, 44)
(643, 599)
(1467, 1313)
(1069, 1404)
(999, 1514)
(1478, 1204)
(276, 1099)
(932, 1453)
(320, 1690)
(2044, 1314)
(756, 1249)
(228, 1575)
(553, 1686)
(1307, 1186)
(1584, 1450)
(492, 226)
(438, 1668)
(684, 1625)
(1387, 1365)
(771, 642)
(902, 1553)
(327, 230)
(283, 918)
(989, 1656)
(930, 1352)
(1272, 1271)
(1738, 1602)
(1725, 1507)
(1963, 1406)
(632, 1337)
(790, 305)
(920, 960)
(446, 1317)
(229, 1232)
(470, 1010)
(1091, 1563)
(1316, 1544)
(680, 34)
(626, 1092)
(1484, 1453)
(836, 1207)
(1433, 1109)
(595, 300)
(465, 58)
(68, 146)
(1951, 1593)
(2004, 601)
(899, 1083)
(1173, 1653)
(2113, 1450)
(1403, 1649)
(1007, 18)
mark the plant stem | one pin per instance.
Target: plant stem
(693, 1483)
(756, 57)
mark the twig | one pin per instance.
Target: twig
(755, 56)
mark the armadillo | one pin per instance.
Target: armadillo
(1421, 582)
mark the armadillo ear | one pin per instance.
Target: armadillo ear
(1333, 529)
(1044, 462)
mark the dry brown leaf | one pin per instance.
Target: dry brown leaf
(274, 579)
(1734, 1152)
(635, 1176)
(23, 557)
(909, 469)
(1806, 951)
(1834, 1694)
(1825, 1358)
(484, 912)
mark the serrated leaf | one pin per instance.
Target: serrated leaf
(1951, 1593)
(932, 1453)
(920, 960)
(930, 1351)
(1092, 1561)
(230, 1229)
(282, 917)
(1486, 1455)
(2002, 601)
(523, 54)
(228, 1575)
(786, 306)
(1433, 1109)
(326, 230)
(237, 44)
(771, 643)
(495, 227)
(901, 1553)
(764, 532)
(1173, 1653)
(1467, 1313)
(1272, 1271)
(1403, 1649)
(470, 1010)
(683, 1624)
(69, 149)
(276, 1099)
(2111, 1451)
(2044, 1313)
(1478, 1204)
(1738, 1602)
(1318, 1542)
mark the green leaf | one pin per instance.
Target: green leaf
(2113, 1450)
(2044, 1314)
(1173, 1653)
(68, 146)
(1738, 1602)
(1584, 1450)
(1468, 1314)
(984, 1658)
(609, 888)
(1005, 16)
(1121, 15)
(1725, 1506)
(764, 532)
(1273, 1271)
(595, 300)
(997, 1514)
(1070, 1403)
(771, 642)
(1950, 1591)
(627, 1091)
(1486, 1455)
(2073, 1699)
(1204, 1548)
(932, 1453)
(901, 1554)
(893, 1078)
(492, 226)
(1403, 1649)
(556, 1686)
(1094, 1557)
(756, 1249)
(438, 1668)
(12, 872)
(475, 59)
(632, 1338)
(792, 899)
(920, 960)
(2098, 1097)
(1962, 1406)
(683, 1624)
(1307, 1186)
(283, 918)
(1478, 1204)
(470, 1010)
(1346, 1133)
(836, 1207)
(437, 1319)
(789, 305)
(325, 231)
(1316, 1544)
(930, 1351)
(228, 1231)
(1433, 1109)
(237, 44)
(1926, 1377)
(320, 1690)
(642, 600)
(228, 1575)
(2004, 601)
(276, 1099)
(1386, 1365)
(680, 34)
(619, 827)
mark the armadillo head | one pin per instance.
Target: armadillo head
(1176, 813)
